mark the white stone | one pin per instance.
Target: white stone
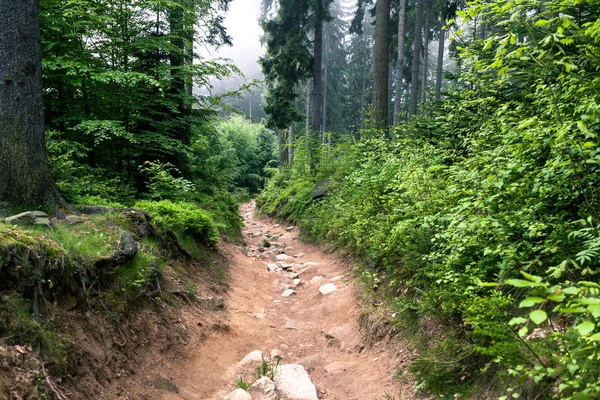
(284, 257)
(327, 289)
(336, 278)
(311, 264)
(297, 282)
(288, 293)
(290, 228)
(299, 255)
(254, 356)
(238, 394)
(294, 383)
(264, 389)
(272, 267)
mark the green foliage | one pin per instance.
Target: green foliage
(482, 221)
(161, 182)
(181, 217)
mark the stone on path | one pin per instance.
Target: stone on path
(288, 293)
(264, 389)
(336, 278)
(338, 366)
(299, 255)
(294, 383)
(272, 267)
(254, 356)
(296, 282)
(238, 394)
(284, 257)
(290, 228)
(327, 289)
(311, 264)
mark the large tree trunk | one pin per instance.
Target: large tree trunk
(399, 62)
(317, 96)
(440, 63)
(425, 59)
(325, 99)
(282, 144)
(317, 71)
(381, 65)
(25, 178)
(414, 80)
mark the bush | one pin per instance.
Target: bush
(184, 218)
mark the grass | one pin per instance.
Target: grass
(242, 383)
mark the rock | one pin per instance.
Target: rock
(336, 278)
(299, 255)
(293, 324)
(296, 282)
(74, 219)
(311, 264)
(28, 217)
(310, 362)
(212, 302)
(337, 367)
(43, 221)
(317, 280)
(272, 267)
(288, 293)
(255, 356)
(327, 289)
(294, 383)
(264, 389)
(320, 190)
(238, 394)
(285, 266)
(290, 228)
(283, 257)
(276, 226)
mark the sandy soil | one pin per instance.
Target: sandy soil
(320, 331)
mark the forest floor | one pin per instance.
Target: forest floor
(321, 332)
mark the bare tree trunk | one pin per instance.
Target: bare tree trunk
(381, 65)
(400, 61)
(414, 81)
(307, 106)
(425, 60)
(363, 97)
(291, 145)
(325, 99)
(25, 178)
(440, 63)
(283, 155)
(317, 81)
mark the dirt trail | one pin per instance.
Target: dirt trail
(319, 330)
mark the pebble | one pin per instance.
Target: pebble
(327, 289)
(288, 293)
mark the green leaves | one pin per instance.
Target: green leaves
(538, 316)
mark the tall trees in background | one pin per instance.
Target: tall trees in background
(381, 64)
(25, 177)
(416, 54)
(400, 61)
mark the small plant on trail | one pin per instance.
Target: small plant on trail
(242, 383)
(266, 243)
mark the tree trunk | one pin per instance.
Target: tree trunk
(25, 178)
(317, 71)
(381, 65)
(425, 59)
(283, 155)
(363, 97)
(325, 99)
(414, 80)
(290, 157)
(440, 63)
(400, 61)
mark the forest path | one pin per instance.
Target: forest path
(319, 331)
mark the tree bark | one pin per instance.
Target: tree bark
(400, 61)
(25, 178)
(381, 65)
(317, 70)
(290, 156)
(425, 59)
(440, 63)
(414, 81)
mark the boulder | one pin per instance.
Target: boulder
(29, 217)
(293, 383)
(238, 394)
(327, 289)
(320, 190)
(264, 389)
(288, 293)
(255, 356)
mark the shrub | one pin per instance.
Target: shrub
(184, 218)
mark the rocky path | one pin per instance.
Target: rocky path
(289, 299)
